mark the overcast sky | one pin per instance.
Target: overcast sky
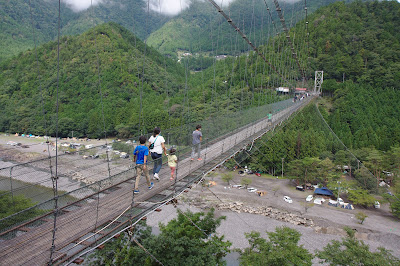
(80, 5)
(168, 7)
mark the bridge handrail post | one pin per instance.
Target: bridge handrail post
(11, 188)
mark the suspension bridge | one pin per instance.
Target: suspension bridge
(80, 218)
(113, 208)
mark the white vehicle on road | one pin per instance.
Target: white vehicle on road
(287, 199)
(251, 189)
(319, 201)
(309, 198)
(340, 201)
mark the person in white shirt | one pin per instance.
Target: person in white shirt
(156, 146)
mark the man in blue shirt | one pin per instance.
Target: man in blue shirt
(140, 156)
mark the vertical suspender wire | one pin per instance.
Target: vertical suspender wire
(141, 120)
(137, 66)
(214, 58)
(268, 48)
(185, 93)
(41, 91)
(225, 73)
(135, 57)
(214, 65)
(261, 92)
(102, 113)
(296, 35)
(268, 51)
(244, 83)
(299, 37)
(55, 178)
(305, 43)
(166, 87)
(307, 36)
(252, 75)
(301, 46)
(235, 55)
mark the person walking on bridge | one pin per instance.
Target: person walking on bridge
(156, 145)
(196, 142)
(140, 155)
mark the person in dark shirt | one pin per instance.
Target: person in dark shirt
(197, 138)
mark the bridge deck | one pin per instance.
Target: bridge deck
(80, 221)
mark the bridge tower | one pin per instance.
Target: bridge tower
(319, 78)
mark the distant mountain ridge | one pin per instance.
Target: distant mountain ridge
(15, 19)
(201, 28)
(194, 29)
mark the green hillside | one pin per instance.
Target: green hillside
(359, 42)
(171, 94)
(362, 41)
(202, 29)
(121, 71)
(16, 25)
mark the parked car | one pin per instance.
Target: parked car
(257, 174)
(340, 201)
(309, 198)
(301, 188)
(319, 201)
(251, 189)
(237, 186)
(287, 199)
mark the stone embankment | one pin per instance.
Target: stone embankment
(267, 211)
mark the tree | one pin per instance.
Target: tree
(365, 179)
(304, 170)
(282, 248)
(361, 217)
(245, 181)
(227, 177)
(351, 251)
(361, 197)
(187, 240)
(10, 205)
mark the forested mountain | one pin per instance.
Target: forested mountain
(201, 28)
(197, 28)
(121, 72)
(171, 95)
(16, 24)
(358, 41)
(366, 116)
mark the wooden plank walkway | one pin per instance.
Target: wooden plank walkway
(33, 247)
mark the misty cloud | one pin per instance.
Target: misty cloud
(174, 7)
(80, 5)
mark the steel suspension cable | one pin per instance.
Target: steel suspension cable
(55, 178)
(229, 20)
(141, 120)
(282, 19)
(41, 89)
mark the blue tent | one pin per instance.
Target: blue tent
(323, 191)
